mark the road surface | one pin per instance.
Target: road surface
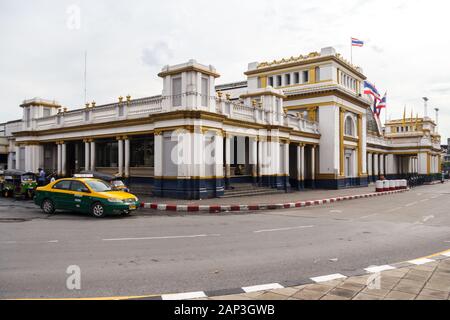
(156, 254)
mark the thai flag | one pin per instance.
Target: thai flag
(382, 103)
(357, 43)
(370, 89)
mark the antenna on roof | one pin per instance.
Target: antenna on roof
(85, 77)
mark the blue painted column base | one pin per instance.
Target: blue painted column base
(189, 189)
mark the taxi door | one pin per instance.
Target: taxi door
(62, 195)
(80, 197)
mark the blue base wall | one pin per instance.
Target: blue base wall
(336, 184)
(194, 189)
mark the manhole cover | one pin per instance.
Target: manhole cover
(11, 220)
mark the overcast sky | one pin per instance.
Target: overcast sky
(42, 45)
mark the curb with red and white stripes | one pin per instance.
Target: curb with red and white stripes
(257, 207)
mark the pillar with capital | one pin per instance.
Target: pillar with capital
(87, 157)
(92, 153)
(253, 158)
(63, 159)
(313, 166)
(59, 159)
(120, 156)
(227, 170)
(127, 157)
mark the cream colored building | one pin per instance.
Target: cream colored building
(299, 122)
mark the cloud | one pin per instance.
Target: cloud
(157, 55)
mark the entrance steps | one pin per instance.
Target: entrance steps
(248, 189)
(141, 189)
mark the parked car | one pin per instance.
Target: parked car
(17, 183)
(115, 182)
(86, 195)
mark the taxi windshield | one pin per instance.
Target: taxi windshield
(99, 186)
(117, 183)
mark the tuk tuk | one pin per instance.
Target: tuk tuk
(18, 183)
(115, 182)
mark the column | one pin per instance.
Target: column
(87, 157)
(227, 160)
(286, 165)
(382, 164)
(92, 166)
(59, 162)
(63, 159)
(299, 167)
(120, 155)
(369, 166)
(17, 157)
(253, 157)
(375, 166)
(127, 157)
(260, 160)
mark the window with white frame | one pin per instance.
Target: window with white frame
(349, 130)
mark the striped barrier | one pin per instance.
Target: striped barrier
(258, 207)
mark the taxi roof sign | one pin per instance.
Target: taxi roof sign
(83, 175)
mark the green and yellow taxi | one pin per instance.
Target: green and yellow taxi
(86, 195)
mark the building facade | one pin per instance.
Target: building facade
(296, 123)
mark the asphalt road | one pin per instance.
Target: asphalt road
(155, 254)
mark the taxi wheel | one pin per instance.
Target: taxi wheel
(97, 210)
(48, 207)
(126, 213)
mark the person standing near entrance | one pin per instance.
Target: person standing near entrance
(41, 179)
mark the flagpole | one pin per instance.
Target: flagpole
(351, 51)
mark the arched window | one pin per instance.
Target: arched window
(349, 127)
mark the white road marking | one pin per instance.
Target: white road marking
(369, 215)
(184, 296)
(425, 219)
(335, 211)
(423, 200)
(282, 229)
(329, 277)
(158, 238)
(394, 209)
(419, 262)
(262, 287)
(375, 269)
(53, 241)
(411, 204)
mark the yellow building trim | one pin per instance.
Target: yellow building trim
(312, 75)
(263, 81)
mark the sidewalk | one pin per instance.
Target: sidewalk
(263, 202)
(427, 280)
(271, 198)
